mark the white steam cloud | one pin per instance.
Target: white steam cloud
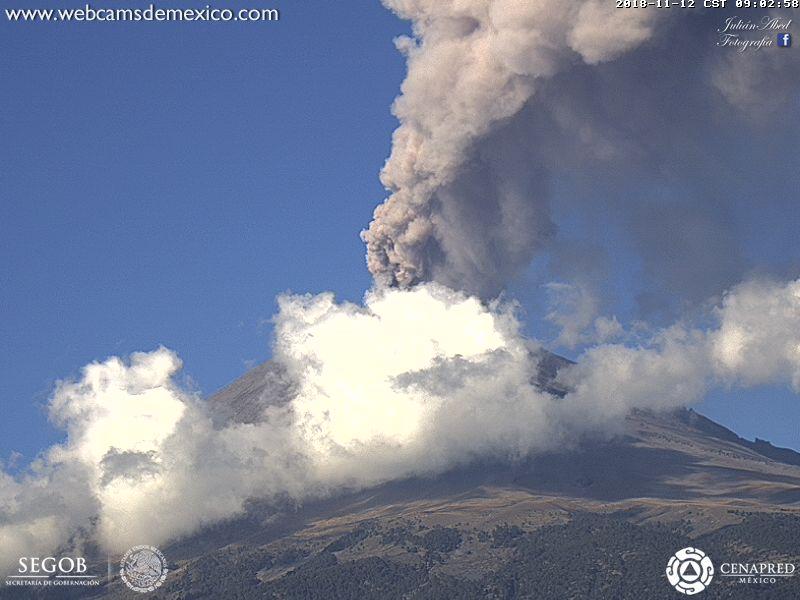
(412, 382)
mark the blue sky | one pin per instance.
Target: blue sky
(162, 183)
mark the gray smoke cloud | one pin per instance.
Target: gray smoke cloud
(502, 96)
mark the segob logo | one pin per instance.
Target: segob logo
(690, 571)
(143, 568)
(52, 571)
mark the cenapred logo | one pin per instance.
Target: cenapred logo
(690, 571)
(143, 568)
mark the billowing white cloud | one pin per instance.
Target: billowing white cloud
(411, 382)
(143, 462)
(347, 357)
(755, 341)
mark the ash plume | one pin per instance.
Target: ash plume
(502, 96)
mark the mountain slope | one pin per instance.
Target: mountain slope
(598, 520)
(500, 530)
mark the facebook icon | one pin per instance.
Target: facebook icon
(785, 40)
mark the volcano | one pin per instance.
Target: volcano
(597, 520)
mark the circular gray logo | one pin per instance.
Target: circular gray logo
(143, 568)
(690, 571)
